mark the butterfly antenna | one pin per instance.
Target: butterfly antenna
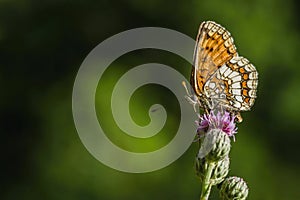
(186, 89)
(192, 99)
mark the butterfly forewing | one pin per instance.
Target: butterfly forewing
(214, 47)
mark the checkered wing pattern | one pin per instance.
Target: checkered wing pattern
(219, 74)
(233, 85)
(214, 47)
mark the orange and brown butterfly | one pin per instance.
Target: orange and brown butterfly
(220, 77)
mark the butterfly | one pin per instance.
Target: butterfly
(220, 77)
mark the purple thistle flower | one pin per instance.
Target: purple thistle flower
(223, 121)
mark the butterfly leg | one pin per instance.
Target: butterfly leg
(192, 98)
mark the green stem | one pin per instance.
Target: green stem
(206, 186)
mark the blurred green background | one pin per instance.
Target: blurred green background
(42, 46)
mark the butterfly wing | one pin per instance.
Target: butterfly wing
(243, 92)
(214, 47)
(234, 85)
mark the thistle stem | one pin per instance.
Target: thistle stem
(206, 186)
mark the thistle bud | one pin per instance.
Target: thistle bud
(215, 146)
(234, 188)
(219, 172)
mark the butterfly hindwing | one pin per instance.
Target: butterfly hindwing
(234, 85)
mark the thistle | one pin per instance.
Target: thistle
(220, 79)
(212, 161)
(219, 172)
(234, 188)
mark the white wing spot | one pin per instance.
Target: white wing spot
(212, 85)
(236, 78)
(233, 74)
(223, 69)
(237, 104)
(228, 71)
(236, 92)
(236, 85)
(239, 98)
